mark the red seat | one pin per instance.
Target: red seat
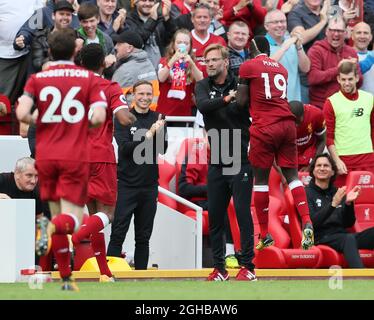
(364, 207)
(166, 173)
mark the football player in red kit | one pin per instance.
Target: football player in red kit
(102, 183)
(67, 99)
(263, 85)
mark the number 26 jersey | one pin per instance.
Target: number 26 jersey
(63, 95)
(267, 90)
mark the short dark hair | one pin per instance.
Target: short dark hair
(141, 82)
(62, 44)
(330, 159)
(297, 108)
(258, 45)
(87, 11)
(92, 57)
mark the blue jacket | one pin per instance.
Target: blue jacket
(39, 20)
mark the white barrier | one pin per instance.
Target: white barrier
(17, 238)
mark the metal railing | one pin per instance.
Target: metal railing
(198, 225)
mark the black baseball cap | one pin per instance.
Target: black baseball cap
(130, 37)
(63, 5)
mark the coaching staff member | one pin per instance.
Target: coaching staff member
(139, 145)
(228, 134)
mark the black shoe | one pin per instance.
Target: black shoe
(308, 236)
(266, 242)
(69, 285)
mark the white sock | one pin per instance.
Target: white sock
(230, 249)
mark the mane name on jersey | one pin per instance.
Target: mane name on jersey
(270, 63)
(74, 73)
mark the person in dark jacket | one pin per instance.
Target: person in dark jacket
(332, 211)
(41, 18)
(229, 172)
(139, 145)
(152, 21)
(62, 17)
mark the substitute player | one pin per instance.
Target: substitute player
(263, 83)
(67, 98)
(102, 184)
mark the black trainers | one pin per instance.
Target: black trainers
(265, 242)
(69, 285)
(308, 236)
(43, 237)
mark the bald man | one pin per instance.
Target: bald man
(362, 37)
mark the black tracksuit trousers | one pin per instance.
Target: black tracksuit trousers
(142, 202)
(220, 189)
(349, 243)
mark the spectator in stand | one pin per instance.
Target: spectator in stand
(311, 133)
(177, 75)
(22, 184)
(133, 65)
(249, 11)
(332, 212)
(309, 19)
(216, 26)
(350, 124)
(369, 13)
(89, 16)
(352, 11)
(362, 37)
(111, 20)
(184, 6)
(288, 6)
(39, 20)
(288, 50)
(152, 21)
(201, 37)
(62, 16)
(325, 56)
(238, 36)
(13, 63)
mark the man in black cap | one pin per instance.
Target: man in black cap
(62, 17)
(133, 64)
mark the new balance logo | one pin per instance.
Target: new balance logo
(364, 179)
(301, 203)
(358, 112)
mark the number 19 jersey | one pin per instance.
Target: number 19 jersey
(267, 90)
(63, 95)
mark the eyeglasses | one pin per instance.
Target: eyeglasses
(212, 60)
(277, 21)
(336, 30)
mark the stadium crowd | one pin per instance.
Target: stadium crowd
(186, 58)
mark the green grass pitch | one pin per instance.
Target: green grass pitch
(196, 290)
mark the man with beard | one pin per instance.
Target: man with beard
(349, 122)
(229, 172)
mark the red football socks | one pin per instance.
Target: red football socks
(301, 202)
(94, 224)
(98, 246)
(60, 247)
(261, 202)
(65, 223)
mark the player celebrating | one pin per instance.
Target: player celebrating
(263, 83)
(102, 184)
(67, 98)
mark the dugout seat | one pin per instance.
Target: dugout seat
(364, 208)
(166, 173)
(6, 122)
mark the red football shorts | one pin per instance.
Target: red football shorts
(102, 183)
(63, 179)
(276, 141)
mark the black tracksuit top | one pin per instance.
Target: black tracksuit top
(130, 173)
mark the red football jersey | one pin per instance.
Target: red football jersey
(63, 95)
(267, 90)
(100, 139)
(313, 125)
(199, 46)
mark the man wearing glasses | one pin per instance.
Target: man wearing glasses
(325, 56)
